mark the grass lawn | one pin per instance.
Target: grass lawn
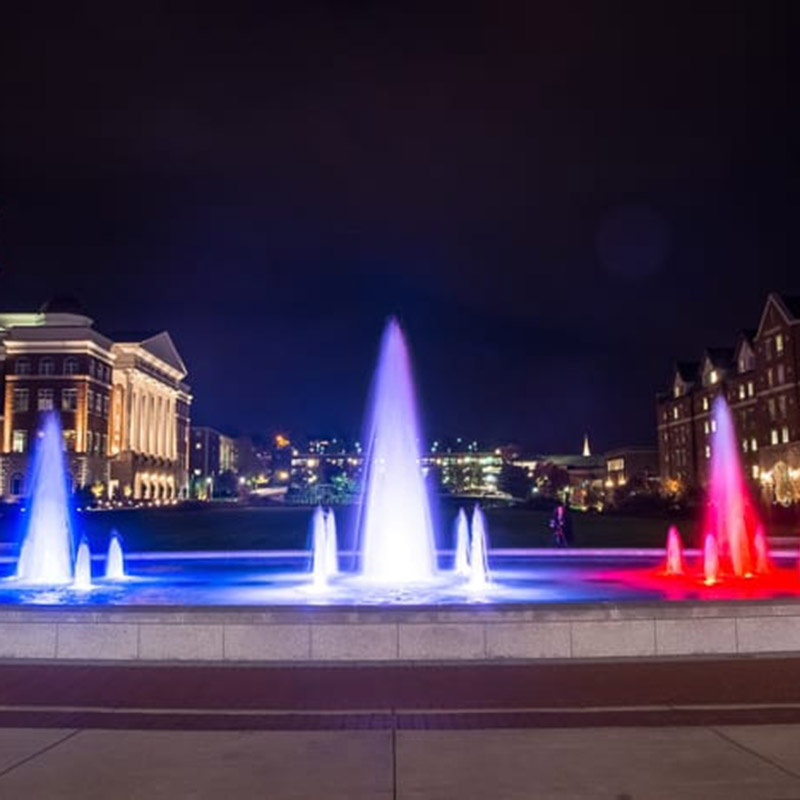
(229, 527)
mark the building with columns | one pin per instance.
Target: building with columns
(149, 436)
(123, 404)
(54, 360)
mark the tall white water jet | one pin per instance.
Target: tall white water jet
(461, 565)
(115, 561)
(395, 528)
(319, 549)
(478, 561)
(331, 547)
(83, 567)
(47, 548)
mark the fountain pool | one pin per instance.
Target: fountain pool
(396, 560)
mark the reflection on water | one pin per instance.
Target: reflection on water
(228, 581)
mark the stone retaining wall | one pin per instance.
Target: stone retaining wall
(308, 635)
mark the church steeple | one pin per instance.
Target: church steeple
(586, 449)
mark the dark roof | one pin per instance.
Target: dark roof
(63, 304)
(687, 370)
(132, 336)
(721, 357)
(749, 334)
(792, 303)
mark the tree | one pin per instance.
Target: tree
(550, 479)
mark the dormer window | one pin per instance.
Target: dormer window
(779, 343)
(676, 412)
(713, 377)
(705, 404)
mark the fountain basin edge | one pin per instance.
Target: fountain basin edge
(384, 635)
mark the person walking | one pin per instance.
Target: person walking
(561, 525)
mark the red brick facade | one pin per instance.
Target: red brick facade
(760, 378)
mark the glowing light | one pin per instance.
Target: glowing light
(46, 555)
(462, 544)
(115, 562)
(395, 526)
(674, 564)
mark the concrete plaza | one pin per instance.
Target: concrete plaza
(756, 762)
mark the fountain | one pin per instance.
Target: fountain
(331, 548)
(115, 561)
(478, 563)
(319, 549)
(710, 560)
(730, 517)
(83, 567)
(674, 565)
(461, 564)
(395, 529)
(47, 547)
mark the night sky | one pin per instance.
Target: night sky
(557, 199)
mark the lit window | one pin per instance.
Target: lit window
(19, 441)
(781, 374)
(745, 445)
(677, 390)
(779, 343)
(742, 391)
(754, 444)
(71, 366)
(773, 436)
(706, 428)
(20, 400)
(756, 471)
(713, 426)
(47, 366)
(69, 441)
(751, 389)
(713, 376)
(676, 412)
(69, 400)
(23, 367)
(45, 400)
(705, 404)
(708, 451)
(785, 434)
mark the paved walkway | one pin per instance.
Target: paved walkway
(705, 763)
(624, 731)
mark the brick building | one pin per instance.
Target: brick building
(760, 378)
(55, 360)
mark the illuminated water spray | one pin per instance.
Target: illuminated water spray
(730, 516)
(461, 566)
(47, 547)
(115, 561)
(478, 555)
(319, 549)
(83, 567)
(331, 548)
(395, 529)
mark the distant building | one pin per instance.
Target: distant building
(123, 405)
(150, 423)
(211, 454)
(55, 360)
(627, 465)
(760, 378)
